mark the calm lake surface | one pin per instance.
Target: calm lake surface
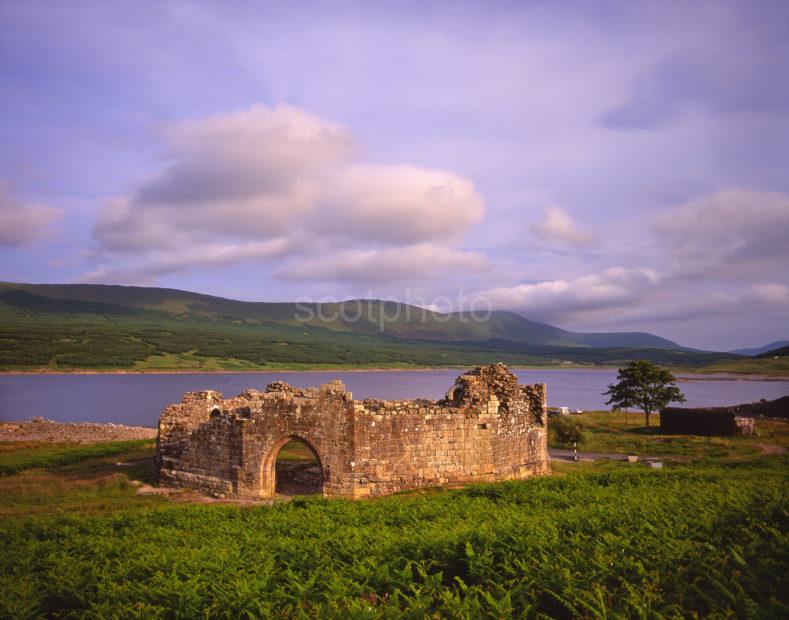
(138, 399)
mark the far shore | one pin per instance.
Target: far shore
(683, 375)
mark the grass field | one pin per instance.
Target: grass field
(193, 362)
(706, 537)
(605, 431)
(751, 366)
(295, 451)
(57, 478)
(19, 456)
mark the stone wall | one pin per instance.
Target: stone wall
(711, 421)
(488, 427)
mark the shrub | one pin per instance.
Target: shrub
(567, 431)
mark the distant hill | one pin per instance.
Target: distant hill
(763, 349)
(90, 325)
(779, 352)
(353, 316)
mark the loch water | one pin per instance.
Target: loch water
(138, 399)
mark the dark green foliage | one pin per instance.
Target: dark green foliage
(703, 540)
(644, 385)
(566, 430)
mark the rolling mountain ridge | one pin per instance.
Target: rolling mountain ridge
(353, 316)
(774, 353)
(89, 326)
(752, 351)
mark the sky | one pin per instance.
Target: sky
(601, 166)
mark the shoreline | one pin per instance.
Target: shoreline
(130, 371)
(684, 375)
(221, 371)
(40, 430)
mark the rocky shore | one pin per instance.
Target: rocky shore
(39, 429)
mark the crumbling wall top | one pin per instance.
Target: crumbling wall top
(280, 387)
(477, 386)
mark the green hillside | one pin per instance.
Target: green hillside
(97, 326)
(354, 316)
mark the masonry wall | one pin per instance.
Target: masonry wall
(402, 446)
(710, 421)
(520, 447)
(487, 428)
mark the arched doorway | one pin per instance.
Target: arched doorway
(292, 467)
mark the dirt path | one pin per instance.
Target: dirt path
(558, 454)
(770, 448)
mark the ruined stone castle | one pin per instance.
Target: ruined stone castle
(488, 427)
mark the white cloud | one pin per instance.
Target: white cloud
(626, 299)
(557, 226)
(392, 264)
(724, 256)
(772, 294)
(554, 299)
(23, 223)
(281, 173)
(398, 204)
(729, 234)
(245, 175)
(204, 256)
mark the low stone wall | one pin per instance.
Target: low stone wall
(712, 421)
(488, 427)
(778, 408)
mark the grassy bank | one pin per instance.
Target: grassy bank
(19, 456)
(750, 366)
(185, 363)
(194, 362)
(606, 539)
(57, 478)
(605, 431)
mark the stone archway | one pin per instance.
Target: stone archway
(268, 470)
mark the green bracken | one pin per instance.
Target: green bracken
(615, 540)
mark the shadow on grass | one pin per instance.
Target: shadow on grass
(642, 430)
(91, 484)
(133, 466)
(15, 459)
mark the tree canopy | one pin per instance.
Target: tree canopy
(644, 385)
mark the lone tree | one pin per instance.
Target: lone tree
(644, 385)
